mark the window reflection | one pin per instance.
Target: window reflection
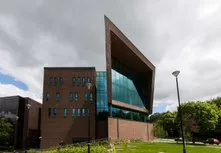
(127, 114)
(124, 90)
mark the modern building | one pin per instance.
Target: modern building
(26, 115)
(116, 107)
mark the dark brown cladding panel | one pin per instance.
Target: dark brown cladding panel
(128, 106)
(121, 48)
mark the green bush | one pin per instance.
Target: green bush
(74, 149)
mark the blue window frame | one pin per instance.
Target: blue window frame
(58, 96)
(70, 97)
(65, 112)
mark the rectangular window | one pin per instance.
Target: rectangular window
(76, 97)
(57, 96)
(91, 96)
(61, 81)
(83, 112)
(49, 112)
(54, 111)
(47, 96)
(83, 81)
(55, 81)
(88, 112)
(51, 81)
(73, 81)
(79, 82)
(85, 96)
(73, 112)
(70, 97)
(88, 80)
(65, 112)
(79, 112)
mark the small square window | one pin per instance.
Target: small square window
(88, 80)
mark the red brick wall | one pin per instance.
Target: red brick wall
(60, 128)
(126, 129)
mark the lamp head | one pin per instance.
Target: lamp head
(28, 106)
(176, 73)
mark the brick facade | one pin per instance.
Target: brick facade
(126, 129)
(68, 129)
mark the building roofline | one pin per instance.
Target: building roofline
(113, 28)
(20, 97)
(91, 68)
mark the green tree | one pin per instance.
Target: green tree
(6, 131)
(199, 117)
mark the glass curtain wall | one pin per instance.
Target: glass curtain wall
(129, 115)
(124, 88)
(101, 85)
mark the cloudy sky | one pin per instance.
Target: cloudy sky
(172, 34)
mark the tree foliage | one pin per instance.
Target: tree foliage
(199, 118)
(6, 131)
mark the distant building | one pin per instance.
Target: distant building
(28, 114)
(119, 102)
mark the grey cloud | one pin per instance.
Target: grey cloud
(71, 33)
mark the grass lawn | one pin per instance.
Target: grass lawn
(165, 148)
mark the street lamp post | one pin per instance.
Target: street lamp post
(15, 136)
(28, 106)
(40, 138)
(176, 73)
(89, 114)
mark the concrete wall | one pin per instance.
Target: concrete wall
(126, 129)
